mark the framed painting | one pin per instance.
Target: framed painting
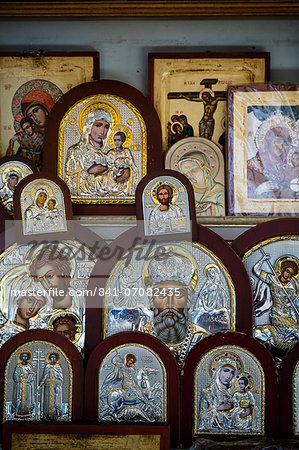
(188, 90)
(263, 158)
(229, 388)
(133, 378)
(202, 162)
(30, 84)
(102, 138)
(270, 254)
(178, 291)
(43, 209)
(165, 206)
(41, 378)
(12, 170)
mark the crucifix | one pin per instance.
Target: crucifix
(209, 99)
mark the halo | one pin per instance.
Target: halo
(176, 123)
(131, 355)
(59, 246)
(223, 358)
(78, 324)
(276, 120)
(124, 129)
(249, 379)
(39, 186)
(210, 266)
(40, 91)
(283, 258)
(96, 104)
(9, 171)
(25, 350)
(53, 352)
(174, 188)
(174, 249)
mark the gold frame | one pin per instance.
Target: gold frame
(150, 9)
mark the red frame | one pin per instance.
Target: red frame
(109, 87)
(66, 346)
(190, 193)
(286, 392)
(172, 374)
(211, 240)
(218, 340)
(69, 234)
(263, 231)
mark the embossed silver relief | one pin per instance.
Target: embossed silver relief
(178, 292)
(11, 173)
(42, 206)
(102, 146)
(295, 400)
(44, 286)
(132, 386)
(229, 393)
(165, 207)
(273, 266)
(38, 384)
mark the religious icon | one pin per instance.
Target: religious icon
(202, 162)
(165, 207)
(102, 149)
(168, 294)
(273, 266)
(11, 172)
(39, 282)
(273, 165)
(51, 388)
(189, 91)
(42, 207)
(31, 105)
(24, 387)
(132, 380)
(229, 389)
(38, 384)
(263, 122)
(31, 85)
(67, 324)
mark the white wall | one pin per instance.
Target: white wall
(124, 44)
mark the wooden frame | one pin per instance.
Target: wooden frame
(172, 377)
(287, 386)
(197, 97)
(126, 108)
(263, 145)
(161, 9)
(45, 76)
(244, 342)
(156, 437)
(66, 346)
